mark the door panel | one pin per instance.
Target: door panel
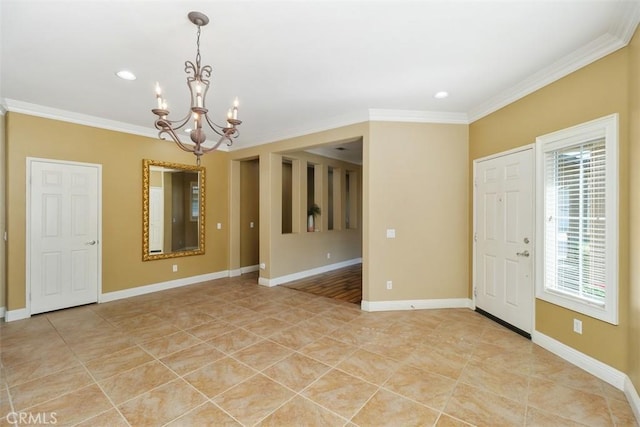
(63, 235)
(504, 229)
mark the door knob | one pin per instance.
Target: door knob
(524, 253)
(91, 242)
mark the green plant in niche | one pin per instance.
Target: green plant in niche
(314, 210)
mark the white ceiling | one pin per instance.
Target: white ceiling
(298, 66)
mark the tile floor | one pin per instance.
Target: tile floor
(230, 352)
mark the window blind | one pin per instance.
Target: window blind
(575, 219)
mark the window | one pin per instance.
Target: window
(577, 218)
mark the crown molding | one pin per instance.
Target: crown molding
(591, 52)
(77, 118)
(414, 116)
(307, 129)
(627, 27)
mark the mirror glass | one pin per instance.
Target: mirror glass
(173, 210)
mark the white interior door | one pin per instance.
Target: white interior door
(63, 234)
(504, 238)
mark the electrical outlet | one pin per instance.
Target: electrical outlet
(328, 255)
(175, 267)
(251, 224)
(577, 326)
(219, 226)
(389, 284)
(391, 233)
(263, 266)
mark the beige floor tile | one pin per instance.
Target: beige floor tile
(389, 409)
(146, 333)
(340, 392)
(253, 399)
(448, 421)
(92, 349)
(427, 388)
(505, 338)
(368, 366)
(295, 337)
(110, 418)
(321, 325)
(206, 414)
(234, 341)
(475, 406)
(554, 369)
(447, 364)
(186, 319)
(41, 367)
(219, 376)
(134, 382)
(116, 363)
(302, 412)
(328, 350)
(496, 379)
(74, 407)
(164, 346)
(161, 405)
(262, 354)
(577, 405)
(267, 327)
(516, 362)
(37, 391)
(296, 371)
(192, 358)
(622, 413)
(212, 329)
(537, 418)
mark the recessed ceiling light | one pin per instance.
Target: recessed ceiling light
(441, 95)
(126, 75)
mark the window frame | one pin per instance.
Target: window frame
(607, 128)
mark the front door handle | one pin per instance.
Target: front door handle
(91, 242)
(524, 253)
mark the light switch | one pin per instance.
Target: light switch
(219, 226)
(391, 233)
(251, 224)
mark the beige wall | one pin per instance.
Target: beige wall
(634, 190)
(249, 212)
(3, 191)
(591, 92)
(300, 251)
(121, 158)
(416, 179)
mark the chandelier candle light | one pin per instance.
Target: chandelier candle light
(198, 83)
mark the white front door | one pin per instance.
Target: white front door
(63, 234)
(503, 205)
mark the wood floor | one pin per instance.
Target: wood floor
(344, 284)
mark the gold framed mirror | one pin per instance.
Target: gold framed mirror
(173, 208)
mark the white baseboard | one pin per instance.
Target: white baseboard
(606, 373)
(418, 304)
(593, 366)
(2, 311)
(633, 398)
(235, 272)
(249, 269)
(302, 274)
(19, 314)
(147, 289)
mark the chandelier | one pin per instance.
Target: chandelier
(198, 83)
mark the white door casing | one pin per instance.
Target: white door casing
(63, 234)
(503, 226)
